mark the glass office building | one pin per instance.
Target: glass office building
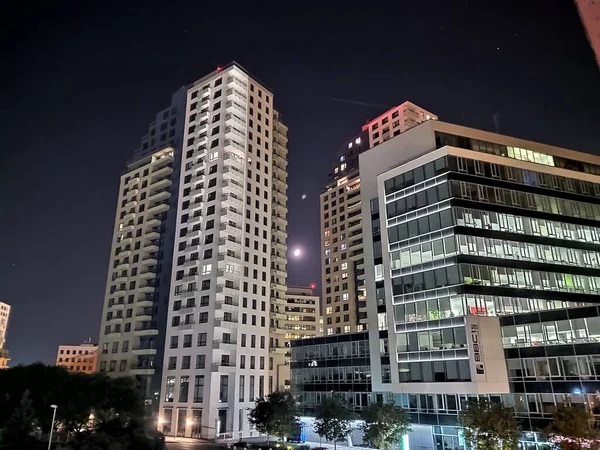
(482, 276)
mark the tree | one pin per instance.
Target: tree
(20, 425)
(489, 426)
(570, 428)
(275, 415)
(333, 419)
(385, 424)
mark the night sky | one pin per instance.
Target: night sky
(79, 87)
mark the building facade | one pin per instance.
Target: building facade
(138, 282)
(589, 11)
(342, 276)
(481, 254)
(4, 316)
(78, 358)
(228, 270)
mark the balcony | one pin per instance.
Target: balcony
(185, 292)
(195, 205)
(357, 254)
(190, 263)
(191, 248)
(225, 323)
(185, 326)
(163, 171)
(153, 222)
(152, 234)
(232, 258)
(144, 349)
(194, 219)
(151, 246)
(235, 95)
(225, 345)
(233, 201)
(230, 244)
(232, 173)
(161, 182)
(279, 271)
(354, 225)
(231, 306)
(232, 213)
(132, 181)
(151, 259)
(281, 207)
(278, 315)
(147, 289)
(145, 331)
(279, 350)
(190, 278)
(231, 186)
(227, 229)
(148, 274)
(193, 233)
(158, 207)
(356, 245)
(222, 366)
(231, 291)
(159, 195)
(234, 120)
(234, 106)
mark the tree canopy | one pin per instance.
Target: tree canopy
(489, 426)
(333, 419)
(570, 428)
(275, 415)
(385, 424)
(26, 393)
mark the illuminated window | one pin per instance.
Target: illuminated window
(327, 233)
(343, 247)
(344, 275)
(349, 144)
(206, 269)
(343, 166)
(326, 242)
(344, 266)
(328, 310)
(342, 158)
(345, 296)
(346, 328)
(336, 170)
(357, 140)
(212, 156)
(327, 251)
(329, 331)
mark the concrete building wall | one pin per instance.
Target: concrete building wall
(78, 358)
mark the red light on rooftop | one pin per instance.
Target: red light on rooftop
(313, 285)
(219, 68)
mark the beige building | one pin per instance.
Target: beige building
(343, 270)
(78, 358)
(589, 11)
(130, 330)
(4, 315)
(278, 340)
(302, 319)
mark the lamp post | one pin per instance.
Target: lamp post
(54, 407)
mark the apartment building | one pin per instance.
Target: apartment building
(278, 338)
(78, 358)
(138, 281)
(482, 251)
(4, 315)
(342, 277)
(228, 270)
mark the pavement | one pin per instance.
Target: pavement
(194, 444)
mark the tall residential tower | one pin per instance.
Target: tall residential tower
(343, 269)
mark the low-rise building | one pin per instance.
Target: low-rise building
(78, 358)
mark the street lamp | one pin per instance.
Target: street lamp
(52, 427)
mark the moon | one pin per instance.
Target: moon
(303, 196)
(297, 252)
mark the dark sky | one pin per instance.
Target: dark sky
(79, 86)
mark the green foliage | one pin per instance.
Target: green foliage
(570, 428)
(77, 396)
(275, 415)
(385, 424)
(489, 426)
(333, 418)
(18, 428)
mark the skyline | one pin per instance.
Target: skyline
(74, 164)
